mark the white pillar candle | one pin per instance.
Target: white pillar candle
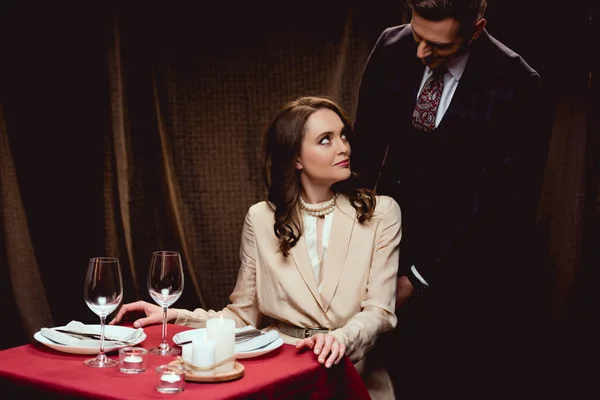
(186, 352)
(203, 354)
(222, 331)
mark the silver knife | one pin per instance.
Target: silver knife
(257, 342)
(84, 335)
(239, 336)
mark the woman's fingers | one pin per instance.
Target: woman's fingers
(122, 311)
(341, 354)
(335, 351)
(125, 308)
(309, 343)
(329, 350)
(319, 339)
(326, 349)
(151, 319)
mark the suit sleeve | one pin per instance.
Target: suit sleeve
(369, 147)
(509, 186)
(377, 308)
(244, 305)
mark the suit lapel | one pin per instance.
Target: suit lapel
(467, 98)
(462, 102)
(339, 244)
(300, 255)
(405, 87)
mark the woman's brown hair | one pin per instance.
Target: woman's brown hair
(282, 148)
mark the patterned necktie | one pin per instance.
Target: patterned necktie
(427, 103)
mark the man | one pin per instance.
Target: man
(452, 124)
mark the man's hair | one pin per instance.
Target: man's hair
(467, 12)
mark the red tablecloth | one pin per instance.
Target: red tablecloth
(283, 373)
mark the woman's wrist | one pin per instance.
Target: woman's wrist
(172, 315)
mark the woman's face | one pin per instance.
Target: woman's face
(325, 152)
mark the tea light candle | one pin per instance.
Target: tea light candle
(222, 331)
(132, 362)
(171, 378)
(203, 354)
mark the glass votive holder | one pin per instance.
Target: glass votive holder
(132, 360)
(170, 378)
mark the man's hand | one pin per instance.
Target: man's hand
(404, 291)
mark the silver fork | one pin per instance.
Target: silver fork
(249, 337)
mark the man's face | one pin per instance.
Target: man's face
(438, 41)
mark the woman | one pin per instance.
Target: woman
(318, 259)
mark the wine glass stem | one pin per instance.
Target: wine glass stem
(101, 356)
(164, 344)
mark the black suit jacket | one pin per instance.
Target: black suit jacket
(469, 190)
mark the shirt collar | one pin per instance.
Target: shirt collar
(456, 67)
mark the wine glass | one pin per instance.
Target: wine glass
(165, 284)
(103, 292)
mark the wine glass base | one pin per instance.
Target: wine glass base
(169, 351)
(95, 363)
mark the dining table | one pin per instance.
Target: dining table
(38, 371)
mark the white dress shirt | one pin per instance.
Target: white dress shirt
(456, 68)
(310, 235)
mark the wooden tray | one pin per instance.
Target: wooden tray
(236, 373)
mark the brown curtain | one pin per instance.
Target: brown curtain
(18, 255)
(186, 156)
(133, 130)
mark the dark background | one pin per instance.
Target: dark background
(217, 73)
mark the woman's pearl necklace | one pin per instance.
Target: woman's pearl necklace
(319, 209)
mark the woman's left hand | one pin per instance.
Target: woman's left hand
(327, 347)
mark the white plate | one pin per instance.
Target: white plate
(187, 335)
(114, 329)
(259, 352)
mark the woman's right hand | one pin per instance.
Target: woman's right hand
(328, 349)
(154, 314)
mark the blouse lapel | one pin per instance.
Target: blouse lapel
(339, 244)
(300, 255)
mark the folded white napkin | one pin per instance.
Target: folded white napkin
(258, 342)
(125, 336)
(111, 340)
